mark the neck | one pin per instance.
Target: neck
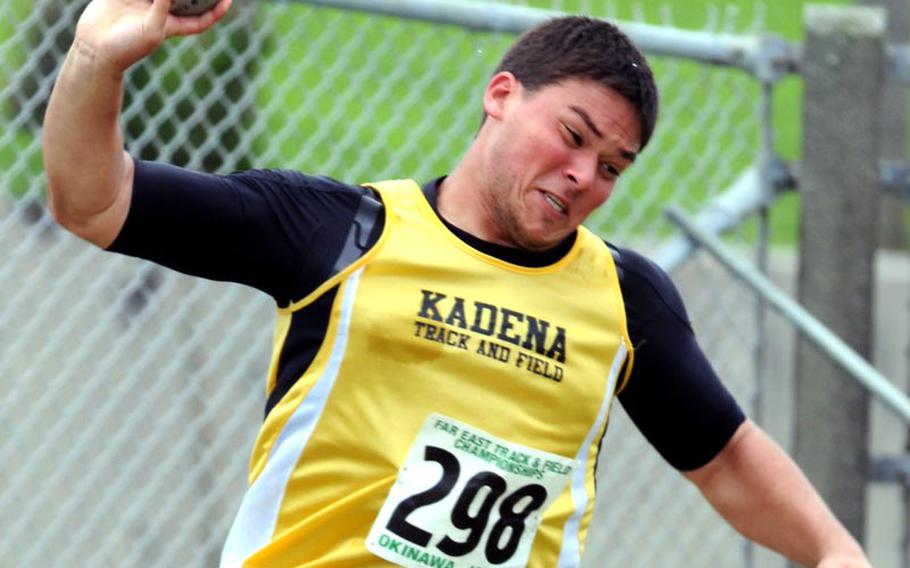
(462, 199)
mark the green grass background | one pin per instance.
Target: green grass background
(782, 18)
(403, 149)
(18, 174)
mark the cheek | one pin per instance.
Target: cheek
(595, 199)
(549, 152)
(538, 140)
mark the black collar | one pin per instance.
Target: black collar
(511, 255)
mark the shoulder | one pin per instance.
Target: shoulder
(294, 179)
(647, 289)
(304, 200)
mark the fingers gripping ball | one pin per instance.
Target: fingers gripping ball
(191, 7)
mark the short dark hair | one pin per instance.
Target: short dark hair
(578, 47)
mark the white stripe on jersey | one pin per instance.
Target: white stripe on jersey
(258, 514)
(570, 554)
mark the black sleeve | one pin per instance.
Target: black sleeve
(277, 231)
(673, 395)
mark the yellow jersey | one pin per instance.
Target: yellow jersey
(452, 414)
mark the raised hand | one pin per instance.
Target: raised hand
(118, 33)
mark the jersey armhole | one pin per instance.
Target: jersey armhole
(360, 235)
(363, 238)
(626, 370)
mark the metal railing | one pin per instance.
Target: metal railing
(819, 334)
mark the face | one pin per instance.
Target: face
(552, 157)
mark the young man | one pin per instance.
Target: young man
(446, 356)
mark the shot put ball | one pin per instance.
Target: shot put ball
(191, 7)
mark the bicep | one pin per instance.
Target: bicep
(242, 228)
(673, 396)
(678, 402)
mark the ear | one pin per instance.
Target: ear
(500, 88)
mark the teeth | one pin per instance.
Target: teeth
(556, 204)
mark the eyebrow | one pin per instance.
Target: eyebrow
(587, 119)
(583, 114)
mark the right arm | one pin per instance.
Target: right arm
(279, 231)
(89, 175)
(674, 396)
(680, 405)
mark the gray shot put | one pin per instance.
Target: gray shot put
(191, 7)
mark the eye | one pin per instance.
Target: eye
(574, 136)
(609, 170)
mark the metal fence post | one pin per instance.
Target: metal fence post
(892, 232)
(843, 73)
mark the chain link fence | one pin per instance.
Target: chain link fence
(130, 395)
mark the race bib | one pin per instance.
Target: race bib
(464, 498)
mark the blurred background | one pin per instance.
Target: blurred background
(130, 395)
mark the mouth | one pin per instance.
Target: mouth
(555, 203)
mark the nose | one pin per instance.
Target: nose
(581, 172)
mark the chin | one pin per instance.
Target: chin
(543, 240)
(539, 244)
(537, 237)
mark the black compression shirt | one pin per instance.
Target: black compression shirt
(282, 232)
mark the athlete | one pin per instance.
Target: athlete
(446, 355)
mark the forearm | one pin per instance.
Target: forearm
(87, 169)
(761, 492)
(89, 176)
